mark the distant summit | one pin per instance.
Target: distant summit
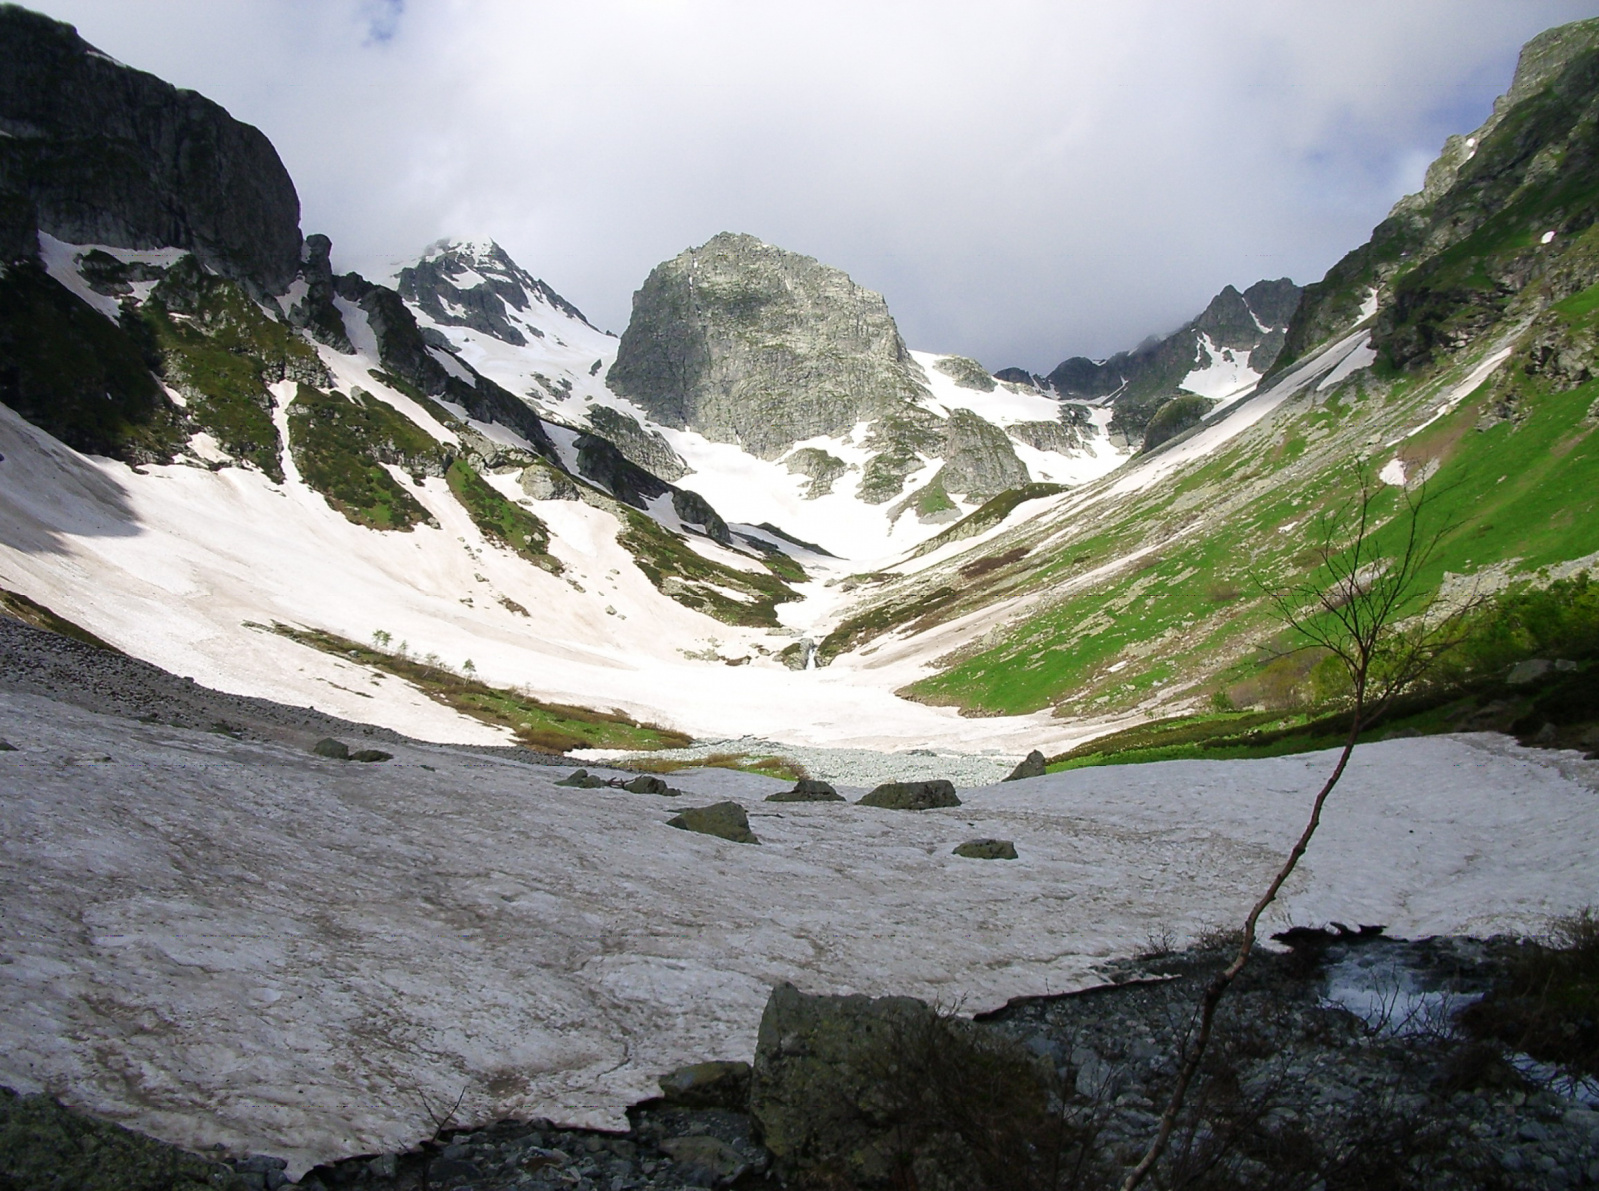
(476, 284)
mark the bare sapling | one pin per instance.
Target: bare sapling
(1365, 605)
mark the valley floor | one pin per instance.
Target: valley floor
(224, 940)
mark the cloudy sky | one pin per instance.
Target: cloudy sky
(1023, 179)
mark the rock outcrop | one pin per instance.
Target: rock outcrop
(726, 820)
(105, 154)
(749, 344)
(476, 286)
(646, 448)
(912, 796)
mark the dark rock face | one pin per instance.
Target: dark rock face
(749, 344)
(693, 509)
(600, 460)
(912, 796)
(1030, 766)
(111, 155)
(725, 820)
(465, 285)
(649, 450)
(316, 312)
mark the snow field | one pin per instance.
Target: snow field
(226, 942)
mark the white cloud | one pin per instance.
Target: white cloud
(1022, 178)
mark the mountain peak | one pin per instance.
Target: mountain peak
(475, 284)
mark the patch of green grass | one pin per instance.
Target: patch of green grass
(679, 571)
(340, 445)
(784, 768)
(30, 612)
(499, 518)
(988, 514)
(862, 627)
(536, 724)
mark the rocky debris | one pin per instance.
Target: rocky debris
(986, 849)
(709, 1085)
(497, 283)
(583, 780)
(105, 154)
(749, 344)
(646, 448)
(821, 467)
(807, 789)
(966, 373)
(1030, 766)
(540, 481)
(912, 796)
(46, 1147)
(726, 820)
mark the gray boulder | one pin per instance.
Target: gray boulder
(581, 779)
(912, 796)
(335, 750)
(856, 1092)
(819, 466)
(371, 755)
(987, 849)
(749, 344)
(647, 783)
(541, 481)
(709, 1085)
(967, 373)
(807, 789)
(1031, 766)
(725, 820)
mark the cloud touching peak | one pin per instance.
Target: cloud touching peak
(1023, 180)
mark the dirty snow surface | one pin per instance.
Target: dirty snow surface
(236, 942)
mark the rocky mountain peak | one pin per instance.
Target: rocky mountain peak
(105, 154)
(475, 284)
(751, 344)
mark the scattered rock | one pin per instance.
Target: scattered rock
(7, 747)
(709, 1085)
(336, 750)
(724, 819)
(1530, 670)
(371, 755)
(808, 789)
(583, 780)
(912, 796)
(987, 849)
(647, 783)
(709, 1155)
(1032, 766)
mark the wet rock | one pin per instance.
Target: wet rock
(726, 820)
(987, 849)
(1031, 766)
(709, 1085)
(335, 750)
(807, 789)
(912, 796)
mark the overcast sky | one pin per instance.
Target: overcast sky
(1023, 179)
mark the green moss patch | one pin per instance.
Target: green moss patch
(536, 724)
(20, 607)
(499, 518)
(340, 445)
(679, 571)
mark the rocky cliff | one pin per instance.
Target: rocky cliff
(104, 154)
(471, 285)
(749, 344)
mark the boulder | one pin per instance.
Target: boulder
(540, 481)
(583, 780)
(855, 1092)
(335, 750)
(648, 783)
(709, 1085)
(912, 796)
(707, 1156)
(987, 849)
(724, 819)
(371, 755)
(807, 790)
(1032, 766)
